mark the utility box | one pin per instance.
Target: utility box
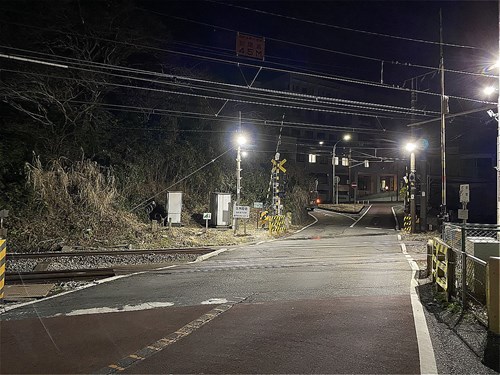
(220, 208)
(482, 248)
(174, 207)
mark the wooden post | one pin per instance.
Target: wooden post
(493, 294)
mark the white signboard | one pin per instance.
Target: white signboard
(258, 205)
(207, 215)
(464, 193)
(463, 214)
(241, 212)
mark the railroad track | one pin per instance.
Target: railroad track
(57, 254)
(58, 276)
(44, 276)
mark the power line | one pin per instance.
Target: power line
(204, 96)
(310, 75)
(345, 28)
(231, 119)
(369, 58)
(267, 93)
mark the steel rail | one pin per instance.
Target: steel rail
(58, 276)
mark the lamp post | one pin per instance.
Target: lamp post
(412, 180)
(335, 193)
(240, 140)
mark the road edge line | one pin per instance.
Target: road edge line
(308, 225)
(426, 355)
(395, 217)
(368, 209)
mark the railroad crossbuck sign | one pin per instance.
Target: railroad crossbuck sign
(278, 165)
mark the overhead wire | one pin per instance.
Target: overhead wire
(371, 33)
(264, 93)
(325, 77)
(369, 58)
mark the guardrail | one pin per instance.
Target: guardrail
(442, 267)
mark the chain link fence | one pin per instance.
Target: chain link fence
(472, 245)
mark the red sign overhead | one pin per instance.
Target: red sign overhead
(250, 46)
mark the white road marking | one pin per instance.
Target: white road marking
(97, 282)
(307, 226)
(425, 350)
(209, 255)
(368, 209)
(338, 213)
(214, 301)
(106, 310)
(395, 217)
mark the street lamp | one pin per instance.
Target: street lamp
(335, 193)
(411, 147)
(240, 141)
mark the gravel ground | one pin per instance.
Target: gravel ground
(96, 261)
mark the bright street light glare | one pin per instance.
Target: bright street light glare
(321, 142)
(410, 147)
(241, 140)
(244, 154)
(489, 90)
(347, 137)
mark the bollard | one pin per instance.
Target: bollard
(492, 351)
(493, 294)
(3, 258)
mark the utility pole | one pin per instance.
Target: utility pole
(444, 110)
(498, 124)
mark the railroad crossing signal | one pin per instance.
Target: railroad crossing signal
(278, 165)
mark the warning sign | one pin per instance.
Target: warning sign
(250, 46)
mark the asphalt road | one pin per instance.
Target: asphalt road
(332, 298)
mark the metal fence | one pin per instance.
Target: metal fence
(472, 245)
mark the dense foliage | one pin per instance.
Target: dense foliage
(82, 147)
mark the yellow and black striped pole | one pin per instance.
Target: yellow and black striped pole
(3, 258)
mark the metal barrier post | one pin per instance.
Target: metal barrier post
(3, 258)
(464, 278)
(463, 260)
(430, 246)
(451, 274)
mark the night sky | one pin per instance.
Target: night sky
(467, 24)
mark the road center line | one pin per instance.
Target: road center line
(425, 349)
(368, 209)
